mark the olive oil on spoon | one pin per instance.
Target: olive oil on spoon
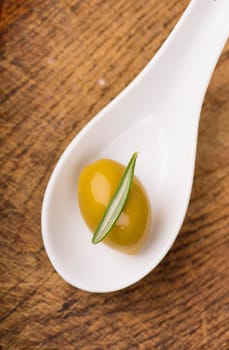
(158, 116)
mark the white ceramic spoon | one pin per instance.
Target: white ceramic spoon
(158, 116)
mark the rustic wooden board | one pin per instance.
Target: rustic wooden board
(61, 62)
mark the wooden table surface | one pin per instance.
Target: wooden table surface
(61, 62)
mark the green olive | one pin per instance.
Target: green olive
(97, 184)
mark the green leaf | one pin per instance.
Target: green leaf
(116, 203)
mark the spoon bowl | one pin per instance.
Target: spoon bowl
(156, 115)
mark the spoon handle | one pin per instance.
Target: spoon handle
(182, 68)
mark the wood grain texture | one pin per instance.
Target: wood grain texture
(61, 62)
